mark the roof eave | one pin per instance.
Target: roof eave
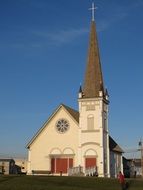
(44, 125)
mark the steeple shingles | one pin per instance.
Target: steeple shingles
(93, 82)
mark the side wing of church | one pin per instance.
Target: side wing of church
(77, 142)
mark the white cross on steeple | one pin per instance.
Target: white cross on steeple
(93, 8)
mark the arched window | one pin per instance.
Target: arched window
(90, 158)
(90, 122)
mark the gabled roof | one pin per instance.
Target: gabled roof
(93, 82)
(113, 146)
(72, 112)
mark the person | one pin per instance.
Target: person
(121, 179)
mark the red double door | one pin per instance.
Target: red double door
(59, 165)
(90, 162)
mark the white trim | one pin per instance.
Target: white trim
(44, 125)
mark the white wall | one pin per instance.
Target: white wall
(50, 142)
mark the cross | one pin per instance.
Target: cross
(93, 11)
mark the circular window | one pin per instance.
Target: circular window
(62, 125)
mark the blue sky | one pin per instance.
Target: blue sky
(43, 53)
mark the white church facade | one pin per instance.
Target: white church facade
(75, 142)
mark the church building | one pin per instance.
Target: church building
(77, 142)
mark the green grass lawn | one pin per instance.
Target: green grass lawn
(63, 183)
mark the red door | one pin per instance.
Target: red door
(59, 165)
(90, 162)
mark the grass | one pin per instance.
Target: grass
(63, 183)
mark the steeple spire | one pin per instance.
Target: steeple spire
(93, 82)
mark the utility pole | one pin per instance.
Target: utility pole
(141, 149)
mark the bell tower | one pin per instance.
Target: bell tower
(93, 109)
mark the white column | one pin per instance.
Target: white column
(121, 163)
(29, 172)
(79, 162)
(108, 157)
(101, 172)
(108, 150)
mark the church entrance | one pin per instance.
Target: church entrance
(90, 162)
(61, 165)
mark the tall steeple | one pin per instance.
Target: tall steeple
(93, 82)
(93, 111)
